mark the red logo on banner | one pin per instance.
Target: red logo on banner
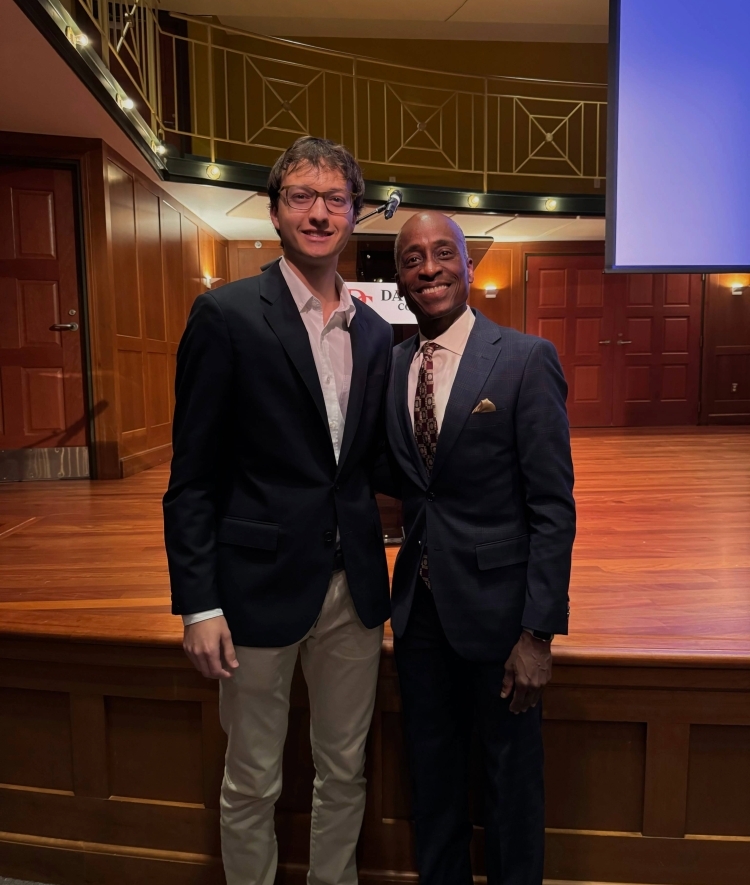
(358, 293)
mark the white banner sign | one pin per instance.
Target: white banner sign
(384, 299)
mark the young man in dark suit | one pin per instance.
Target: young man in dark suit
(273, 536)
(478, 430)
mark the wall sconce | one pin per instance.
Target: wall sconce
(208, 281)
(738, 288)
(490, 291)
(213, 172)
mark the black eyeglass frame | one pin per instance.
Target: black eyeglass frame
(323, 194)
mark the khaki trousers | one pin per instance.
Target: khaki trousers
(340, 662)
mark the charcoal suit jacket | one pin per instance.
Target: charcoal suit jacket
(255, 496)
(496, 514)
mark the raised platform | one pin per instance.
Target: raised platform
(111, 752)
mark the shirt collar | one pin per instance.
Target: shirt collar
(304, 298)
(455, 337)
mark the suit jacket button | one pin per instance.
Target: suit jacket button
(328, 537)
(430, 496)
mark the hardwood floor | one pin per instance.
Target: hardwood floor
(661, 561)
(111, 753)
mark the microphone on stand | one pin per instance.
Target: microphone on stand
(388, 208)
(394, 201)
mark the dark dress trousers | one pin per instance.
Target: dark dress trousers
(255, 496)
(497, 518)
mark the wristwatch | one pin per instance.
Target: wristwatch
(540, 634)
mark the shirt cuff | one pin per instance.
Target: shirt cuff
(187, 620)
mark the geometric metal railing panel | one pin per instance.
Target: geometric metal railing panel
(221, 93)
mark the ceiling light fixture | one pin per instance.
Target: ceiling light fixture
(213, 172)
(473, 201)
(76, 39)
(550, 204)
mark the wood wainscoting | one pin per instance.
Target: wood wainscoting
(111, 759)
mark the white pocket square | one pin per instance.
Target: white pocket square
(486, 405)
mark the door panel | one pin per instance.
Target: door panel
(567, 304)
(657, 349)
(40, 370)
(629, 343)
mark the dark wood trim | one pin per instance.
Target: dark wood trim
(132, 464)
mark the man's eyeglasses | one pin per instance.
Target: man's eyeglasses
(303, 198)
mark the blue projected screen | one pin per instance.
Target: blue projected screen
(679, 138)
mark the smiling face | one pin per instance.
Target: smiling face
(313, 235)
(434, 271)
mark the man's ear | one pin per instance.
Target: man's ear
(470, 269)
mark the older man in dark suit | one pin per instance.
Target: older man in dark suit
(478, 431)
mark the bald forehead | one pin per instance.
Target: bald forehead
(429, 226)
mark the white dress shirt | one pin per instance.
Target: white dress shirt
(332, 351)
(445, 360)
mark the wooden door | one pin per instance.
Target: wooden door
(41, 383)
(657, 348)
(568, 303)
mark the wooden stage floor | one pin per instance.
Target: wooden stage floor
(111, 752)
(661, 563)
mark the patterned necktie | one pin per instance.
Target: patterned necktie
(425, 425)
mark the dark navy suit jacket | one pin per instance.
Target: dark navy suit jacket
(255, 496)
(497, 514)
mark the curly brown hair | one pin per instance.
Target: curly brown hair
(318, 152)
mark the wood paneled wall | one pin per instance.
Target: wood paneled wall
(504, 265)
(160, 254)
(112, 759)
(145, 259)
(726, 351)
(246, 258)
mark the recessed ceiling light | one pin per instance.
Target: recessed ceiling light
(213, 172)
(550, 204)
(473, 201)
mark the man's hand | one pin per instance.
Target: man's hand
(528, 669)
(209, 646)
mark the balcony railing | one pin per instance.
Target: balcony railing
(225, 94)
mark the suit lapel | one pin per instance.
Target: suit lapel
(284, 318)
(401, 364)
(360, 361)
(481, 352)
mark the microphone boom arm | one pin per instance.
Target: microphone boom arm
(374, 212)
(389, 207)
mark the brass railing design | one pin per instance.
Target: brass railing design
(226, 94)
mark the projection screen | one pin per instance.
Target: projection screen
(678, 166)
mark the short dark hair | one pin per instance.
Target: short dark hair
(318, 152)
